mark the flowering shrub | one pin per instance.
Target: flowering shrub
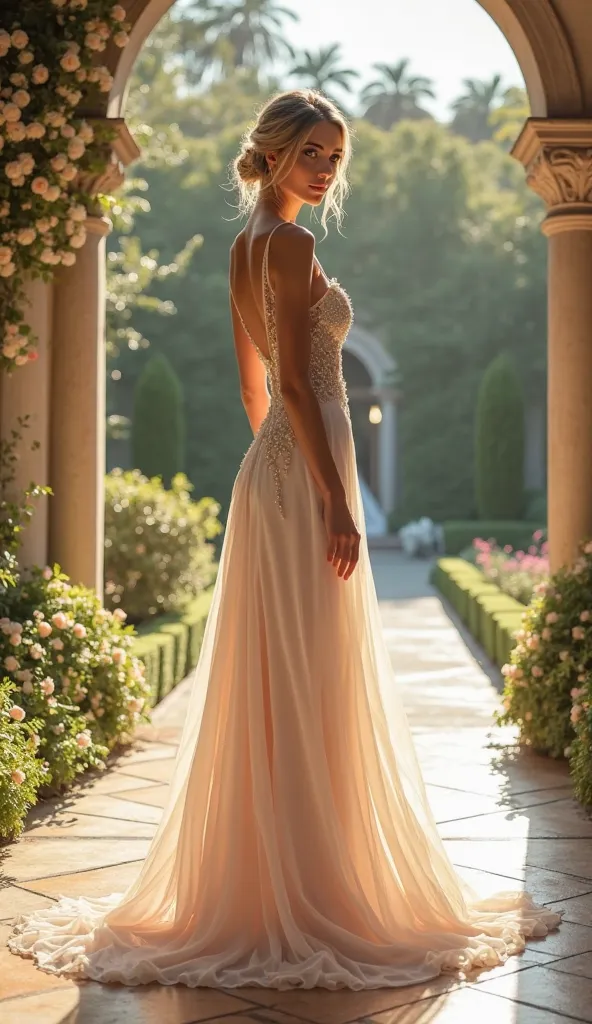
(515, 572)
(157, 555)
(13, 514)
(48, 56)
(548, 689)
(22, 772)
(70, 661)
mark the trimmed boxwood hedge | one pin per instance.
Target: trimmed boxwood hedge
(491, 616)
(170, 646)
(460, 533)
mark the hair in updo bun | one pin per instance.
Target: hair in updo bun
(283, 125)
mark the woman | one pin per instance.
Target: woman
(297, 848)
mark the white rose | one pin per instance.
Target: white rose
(19, 39)
(83, 739)
(58, 162)
(39, 74)
(78, 240)
(70, 62)
(26, 236)
(76, 148)
(11, 112)
(46, 256)
(93, 41)
(35, 130)
(77, 212)
(16, 131)
(69, 172)
(21, 97)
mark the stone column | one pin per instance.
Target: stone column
(387, 462)
(77, 449)
(77, 461)
(557, 155)
(26, 392)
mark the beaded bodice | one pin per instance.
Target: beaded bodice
(330, 319)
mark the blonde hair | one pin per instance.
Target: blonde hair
(284, 123)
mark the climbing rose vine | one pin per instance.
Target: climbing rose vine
(49, 53)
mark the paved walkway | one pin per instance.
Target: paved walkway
(508, 820)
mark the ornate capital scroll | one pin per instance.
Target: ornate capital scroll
(557, 156)
(115, 150)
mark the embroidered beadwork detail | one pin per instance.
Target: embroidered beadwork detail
(330, 319)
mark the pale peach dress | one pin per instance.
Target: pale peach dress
(297, 847)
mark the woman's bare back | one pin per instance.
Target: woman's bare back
(246, 278)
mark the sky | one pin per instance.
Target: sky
(445, 40)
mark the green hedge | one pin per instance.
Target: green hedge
(491, 616)
(170, 645)
(460, 533)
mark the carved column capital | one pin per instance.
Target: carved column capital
(557, 156)
(113, 156)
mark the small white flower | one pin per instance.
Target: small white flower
(58, 729)
(52, 702)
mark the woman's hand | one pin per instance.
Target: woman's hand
(343, 548)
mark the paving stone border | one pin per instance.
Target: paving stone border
(491, 616)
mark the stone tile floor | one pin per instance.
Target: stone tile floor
(508, 820)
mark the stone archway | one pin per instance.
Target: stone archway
(551, 40)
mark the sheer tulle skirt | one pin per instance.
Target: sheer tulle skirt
(297, 848)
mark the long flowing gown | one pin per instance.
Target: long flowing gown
(297, 847)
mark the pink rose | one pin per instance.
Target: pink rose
(575, 713)
(537, 671)
(43, 628)
(47, 686)
(59, 620)
(57, 644)
(551, 618)
(84, 739)
(17, 713)
(119, 655)
(578, 632)
(18, 777)
(584, 616)
(11, 664)
(39, 186)
(39, 74)
(79, 630)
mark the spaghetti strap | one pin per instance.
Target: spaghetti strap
(266, 256)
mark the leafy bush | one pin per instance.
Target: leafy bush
(460, 533)
(157, 551)
(158, 424)
(499, 443)
(548, 690)
(70, 661)
(515, 572)
(21, 771)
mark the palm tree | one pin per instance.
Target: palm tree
(472, 110)
(223, 34)
(395, 95)
(321, 70)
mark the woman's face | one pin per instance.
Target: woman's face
(316, 164)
